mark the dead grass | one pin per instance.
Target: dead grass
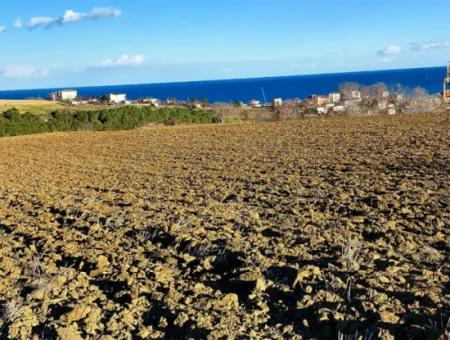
(32, 106)
(40, 106)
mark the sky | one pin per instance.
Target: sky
(55, 43)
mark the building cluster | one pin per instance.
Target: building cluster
(72, 97)
(276, 102)
(353, 99)
(337, 102)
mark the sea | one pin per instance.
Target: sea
(267, 88)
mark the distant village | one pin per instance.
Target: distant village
(351, 98)
(335, 101)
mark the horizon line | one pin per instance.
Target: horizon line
(224, 79)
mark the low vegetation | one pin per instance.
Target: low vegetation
(14, 123)
(34, 106)
(318, 229)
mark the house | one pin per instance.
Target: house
(63, 95)
(152, 101)
(322, 110)
(277, 102)
(391, 110)
(321, 100)
(155, 102)
(80, 101)
(339, 108)
(356, 95)
(116, 98)
(254, 103)
(335, 97)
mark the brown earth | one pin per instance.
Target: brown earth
(322, 228)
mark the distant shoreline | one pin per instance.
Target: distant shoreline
(227, 79)
(244, 89)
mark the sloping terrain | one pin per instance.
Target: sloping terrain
(320, 228)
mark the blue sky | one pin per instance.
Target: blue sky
(53, 43)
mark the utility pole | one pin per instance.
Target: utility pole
(264, 95)
(446, 96)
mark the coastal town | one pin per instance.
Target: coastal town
(334, 102)
(351, 98)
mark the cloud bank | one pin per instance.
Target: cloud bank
(390, 50)
(429, 46)
(2, 29)
(69, 17)
(124, 60)
(23, 71)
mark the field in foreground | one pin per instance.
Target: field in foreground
(315, 228)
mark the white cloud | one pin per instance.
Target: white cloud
(69, 16)
(429, 45)
(18, 23)
(2, 29)
(124, 60)
(41, 22)
(102, 12)
(23, 71)
(390, 50)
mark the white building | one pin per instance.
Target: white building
(117, 98)
(277, 102)
(339, 108)
(391, 110)
(322, 110)
(63, 95)
(335, 97)
(321, 100)
(356, 95)
(254, 103)
(152, 101)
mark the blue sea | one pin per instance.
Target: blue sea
(245, 89)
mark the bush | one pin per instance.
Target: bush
(11, 114)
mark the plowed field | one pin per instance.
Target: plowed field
(316, 228)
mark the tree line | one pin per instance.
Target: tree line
(13, 123)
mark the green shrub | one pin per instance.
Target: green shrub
(123, 118)
(12, 114)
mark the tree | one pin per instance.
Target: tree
(204, 102)
(420, 101)
(347, 89)
(374, 97)
(12, 114)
